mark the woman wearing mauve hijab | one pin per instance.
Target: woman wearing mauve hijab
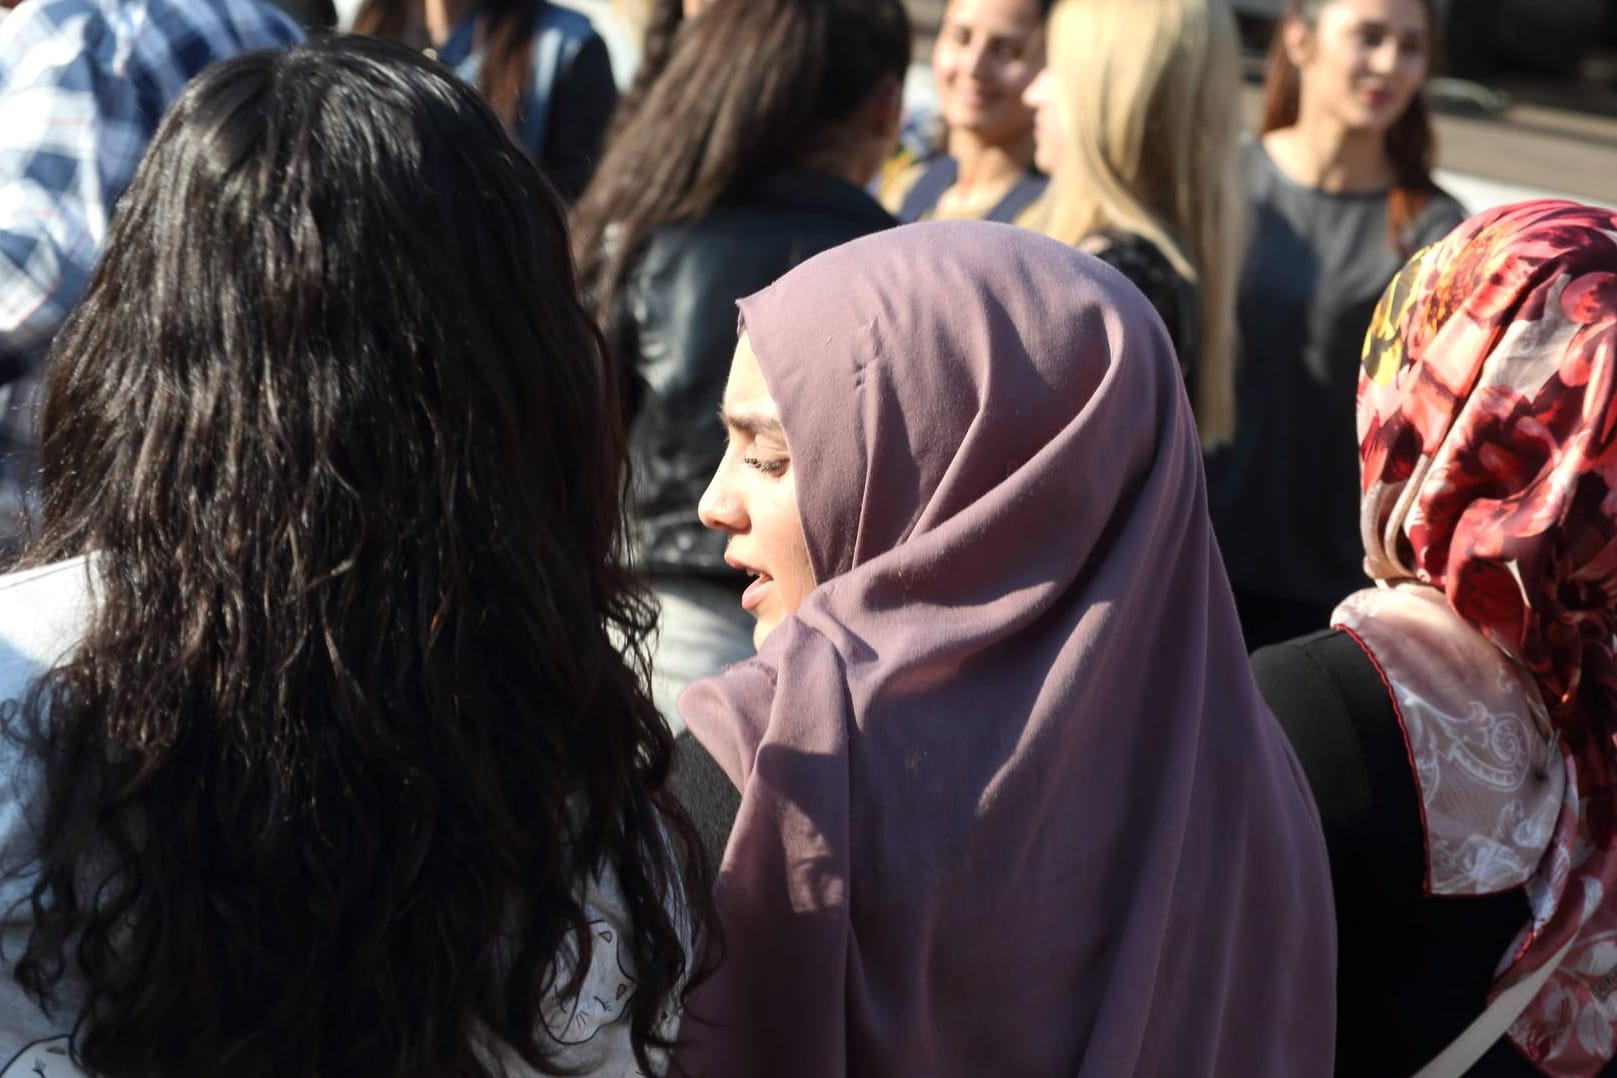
(1011, 804)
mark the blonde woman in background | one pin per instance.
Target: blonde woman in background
(1137, 125)
(977, 162)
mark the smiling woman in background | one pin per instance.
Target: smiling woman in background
(979, 164)
(1342, 194)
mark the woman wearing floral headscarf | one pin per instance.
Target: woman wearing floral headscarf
(1458, 724)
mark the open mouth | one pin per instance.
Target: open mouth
(757, 590)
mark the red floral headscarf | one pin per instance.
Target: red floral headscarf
(1488, 442)
(1488, 434)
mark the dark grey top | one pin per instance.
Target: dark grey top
(1285, 494)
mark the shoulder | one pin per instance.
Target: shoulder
(1442, 214)
(201, 31)
(591, 1026)
(1301, 674)
(43, 615)
(1146, 267)
(45, 36)
(1260, 169)
(574, 26)
(1121, 249)
(784, 220)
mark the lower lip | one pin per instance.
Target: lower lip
(755, 593)
(1378, 100)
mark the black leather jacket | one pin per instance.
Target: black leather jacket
(675, 321)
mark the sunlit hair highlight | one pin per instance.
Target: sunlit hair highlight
(350, 727)
(1149, 89)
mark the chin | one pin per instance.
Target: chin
(1374, 121)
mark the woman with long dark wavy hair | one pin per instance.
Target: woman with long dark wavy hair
(748, 155)
(324, 758)
(1342, 193)
(541, 65)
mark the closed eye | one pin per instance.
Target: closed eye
(768, 467)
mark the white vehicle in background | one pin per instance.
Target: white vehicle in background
(1551, 36)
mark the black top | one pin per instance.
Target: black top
(705, 792)
(1285, 493)
(1413, 971)
(1149, 270)
(674, 323)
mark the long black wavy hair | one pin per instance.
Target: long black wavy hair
(362, 706)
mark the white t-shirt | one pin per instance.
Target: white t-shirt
(43, 615)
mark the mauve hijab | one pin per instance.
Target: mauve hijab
(1011, 803)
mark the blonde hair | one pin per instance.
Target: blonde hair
(1150, 95)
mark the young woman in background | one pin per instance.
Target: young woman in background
(1342, 193)
(978, 163)
(749, 155)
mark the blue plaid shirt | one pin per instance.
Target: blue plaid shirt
(83, 84)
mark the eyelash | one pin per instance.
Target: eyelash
(768, 467)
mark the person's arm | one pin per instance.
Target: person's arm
(584, 98)
(62, 162)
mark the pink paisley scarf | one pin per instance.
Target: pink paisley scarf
(1011, 804)
(1488, 430)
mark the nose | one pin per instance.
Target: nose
(1384, 57)
(720, 507)
(979, 62)
(1034, 95)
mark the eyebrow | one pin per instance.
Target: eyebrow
(1380, 27)
(755, 425)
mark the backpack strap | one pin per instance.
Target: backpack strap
(1463, 1053)
(940, 173)
(937, 176)
(1018, 198)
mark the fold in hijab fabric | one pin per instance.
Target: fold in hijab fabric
(1488, 431)
(1011, 803)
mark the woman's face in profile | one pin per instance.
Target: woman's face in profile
(1044, 96)
(752, 498)
(986, 54)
